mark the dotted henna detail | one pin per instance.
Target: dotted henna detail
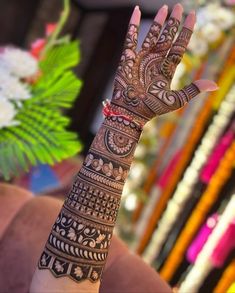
(133, 127)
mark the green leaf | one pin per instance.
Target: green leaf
(41, 136)
(58, 59)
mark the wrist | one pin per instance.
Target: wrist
(128, 114)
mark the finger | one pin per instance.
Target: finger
(179, 46)
(132, 32)
(155, 29)
(168, 34)
(206, 85)
(192, 90)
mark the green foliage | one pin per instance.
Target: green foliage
(41, 136)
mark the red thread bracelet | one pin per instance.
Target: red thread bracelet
(108, 112)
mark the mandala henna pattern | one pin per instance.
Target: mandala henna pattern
(78, 244)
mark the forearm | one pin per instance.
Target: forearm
(79, 241)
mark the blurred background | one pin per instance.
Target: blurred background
(178, 207)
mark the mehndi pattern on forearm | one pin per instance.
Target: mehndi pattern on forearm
(78, 244)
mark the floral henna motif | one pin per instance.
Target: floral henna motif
(108, 168)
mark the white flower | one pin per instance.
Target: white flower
(7, 113)
(18, 62)
(214, 13)
(198, 45)
(224, 18)
(211, 32)
(11, 87)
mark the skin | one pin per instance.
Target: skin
(141, 92)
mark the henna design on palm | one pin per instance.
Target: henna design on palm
(142, 82)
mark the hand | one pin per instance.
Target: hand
(142, 83)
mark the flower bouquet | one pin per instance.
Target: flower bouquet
(35, 87)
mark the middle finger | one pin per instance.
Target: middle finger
(168, 34)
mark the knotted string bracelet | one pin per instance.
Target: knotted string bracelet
(109, 112)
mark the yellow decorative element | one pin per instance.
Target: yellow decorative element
(231, 288)
(225, 83)
(227, 279)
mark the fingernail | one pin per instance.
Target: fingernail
(137, 7)
(212, 88)
(164, 7)
(178, 4)
(192, 12)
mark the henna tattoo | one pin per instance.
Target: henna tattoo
(101, 179)
(76, 247)
(93, 201)
(78, 244)
(167, 36)
(109, 169)
(142, 82)
(133, 126)
(118, 144)
(152, 36)
(180, 45)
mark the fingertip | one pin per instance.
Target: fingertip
(135, 18)
(177, 11)
(161, 15)
(190, 20)
(205, 85)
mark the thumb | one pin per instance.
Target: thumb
(198, 86)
